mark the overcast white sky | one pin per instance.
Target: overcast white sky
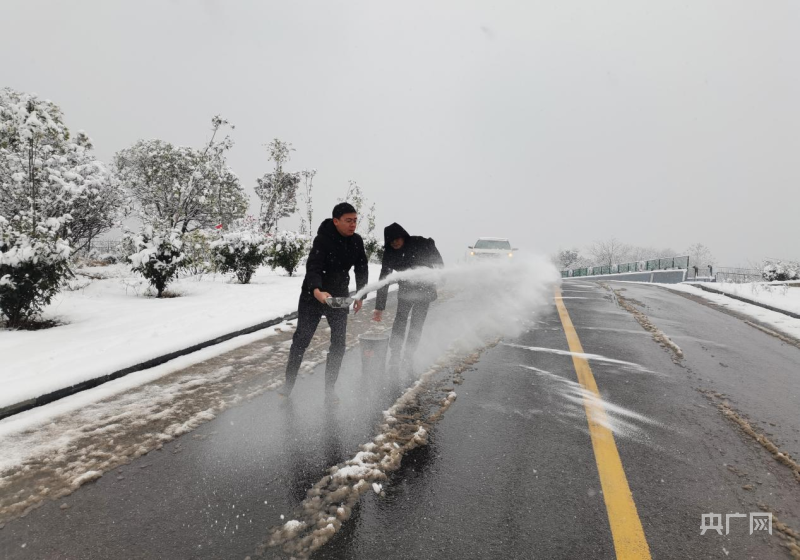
(552, 123)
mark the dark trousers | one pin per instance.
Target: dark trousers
(418, 310)
(309, 314)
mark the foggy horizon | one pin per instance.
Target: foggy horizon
(554, 126)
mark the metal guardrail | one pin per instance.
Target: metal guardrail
(665, 263)
(102, 246)
(738, 275)
(106, 245)
(575, 272)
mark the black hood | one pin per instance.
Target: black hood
(392, 232)
(328, 229)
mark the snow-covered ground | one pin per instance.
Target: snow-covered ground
(110, 324)
(775, 294)
(789, 300)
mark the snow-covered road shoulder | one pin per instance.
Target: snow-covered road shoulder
(109, 324)
(777, 296)
(780, 322)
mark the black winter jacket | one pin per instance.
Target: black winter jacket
(416, 252)
(329, 263)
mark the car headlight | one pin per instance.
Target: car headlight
(472, 253)
(511, 254)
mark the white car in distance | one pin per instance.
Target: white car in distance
(490, 248)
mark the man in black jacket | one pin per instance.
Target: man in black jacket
(337, 248)
(404, 252)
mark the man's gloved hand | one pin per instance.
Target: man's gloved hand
(357, 305)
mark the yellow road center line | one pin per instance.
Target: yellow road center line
(626, 528)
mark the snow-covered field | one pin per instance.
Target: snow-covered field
(110, 324)
(789, 300)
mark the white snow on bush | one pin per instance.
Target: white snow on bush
(22, 249)
(245, 241)
(149, 244)
(780, 270)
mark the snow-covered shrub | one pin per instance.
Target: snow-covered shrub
(373, 248)
(197, 248)
(241, 252)
(32, 267)
(157, 255)
(287, 249)
(780, 270)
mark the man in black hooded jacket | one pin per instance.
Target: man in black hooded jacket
(404, 252)
(337, 248)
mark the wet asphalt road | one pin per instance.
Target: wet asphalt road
(509, 470)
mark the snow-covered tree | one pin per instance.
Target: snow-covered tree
(181, 187)
(54, 197)
(609, 252)
(355, 196)
(103, 204)
(373, 246)
(567, 258)
(307, 221)
(700, 256)
(636, 253)
(46, 173)
(277, 190)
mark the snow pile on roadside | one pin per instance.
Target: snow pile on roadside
(777, 321)
(778, 295)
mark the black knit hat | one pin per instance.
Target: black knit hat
(343, 208)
